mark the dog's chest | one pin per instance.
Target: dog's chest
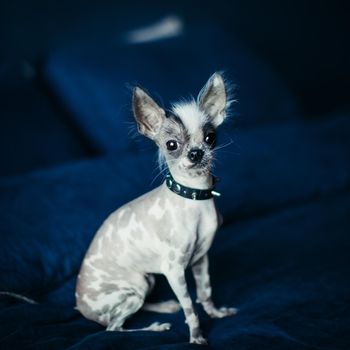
(194, 226)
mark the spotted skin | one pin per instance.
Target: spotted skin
(159, 232)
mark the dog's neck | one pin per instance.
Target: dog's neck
(201, 182)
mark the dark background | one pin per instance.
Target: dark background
(306, 42)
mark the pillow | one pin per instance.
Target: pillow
(33, 133)
(92, 82)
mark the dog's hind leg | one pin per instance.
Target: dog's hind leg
(130, 303)
(163, 307)
(154, 327)
(111, 303)
(127, 307)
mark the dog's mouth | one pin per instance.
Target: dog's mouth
(203, 165)
(200, 165)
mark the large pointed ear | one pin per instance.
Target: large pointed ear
(148, 114)
(212, 99)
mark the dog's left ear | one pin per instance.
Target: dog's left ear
(212, 99)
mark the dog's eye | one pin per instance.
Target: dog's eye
(210, 139)
(171, 145)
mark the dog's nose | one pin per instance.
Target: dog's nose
(195, 155)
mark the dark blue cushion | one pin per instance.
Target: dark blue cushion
(34, 133)
(93, 82)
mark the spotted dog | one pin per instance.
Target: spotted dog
(165, 230)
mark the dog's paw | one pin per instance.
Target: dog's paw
(222, 312)
(159, 327)
(199, 340)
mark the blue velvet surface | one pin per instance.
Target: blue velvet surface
(281, 256)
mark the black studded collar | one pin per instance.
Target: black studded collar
(191, 193)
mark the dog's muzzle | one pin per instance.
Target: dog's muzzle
(195, 155)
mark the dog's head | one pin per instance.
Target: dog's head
(185, 135)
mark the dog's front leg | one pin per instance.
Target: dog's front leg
(177, 281)
(200, 271)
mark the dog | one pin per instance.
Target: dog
(165, 230)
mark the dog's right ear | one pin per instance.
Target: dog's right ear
(148, 114)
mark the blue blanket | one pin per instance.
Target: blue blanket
(281, 256)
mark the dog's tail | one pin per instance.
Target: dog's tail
(18, 296)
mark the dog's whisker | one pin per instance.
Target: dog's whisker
(162, 170)
(224, 145)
